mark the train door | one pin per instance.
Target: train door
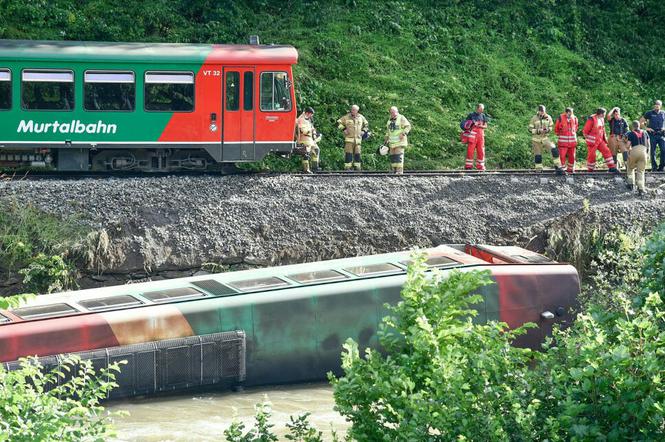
(238, 117)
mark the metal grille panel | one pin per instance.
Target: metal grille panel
(168, 365)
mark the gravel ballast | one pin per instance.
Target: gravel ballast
(159, 224)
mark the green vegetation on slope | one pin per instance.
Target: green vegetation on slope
(39, 247)
(433, 61)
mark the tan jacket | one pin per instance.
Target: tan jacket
(541, 127)
(393, 133)
(353, 127)
(305, 131)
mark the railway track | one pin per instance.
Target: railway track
(548, 173)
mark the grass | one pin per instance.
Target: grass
(26, 232)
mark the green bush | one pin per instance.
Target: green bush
(654, 263)
(48, 274)
(441, 377)
(33, 407)
(603, 379)
(300, 429)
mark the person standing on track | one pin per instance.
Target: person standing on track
(475, 138)
(397, 129)
(540, 126)
(596, 139)
(655, 125)
(306, 139)
(618, 131)
(356, 129)
(638, 142)
(566, 127)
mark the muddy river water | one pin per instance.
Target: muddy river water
(204, 417)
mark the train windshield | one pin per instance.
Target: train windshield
(3, 319)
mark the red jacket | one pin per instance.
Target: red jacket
(594, 129)
(566, 129)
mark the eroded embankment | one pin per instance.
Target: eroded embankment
(171, 226)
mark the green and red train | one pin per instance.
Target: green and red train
(267, 326)
(78, 106)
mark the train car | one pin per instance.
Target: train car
(79, 106)
(267, 326)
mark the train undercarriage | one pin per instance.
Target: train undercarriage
(110, 160)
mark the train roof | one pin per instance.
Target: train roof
(87, 51)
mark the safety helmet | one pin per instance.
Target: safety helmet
(383, 150)
(366, 134)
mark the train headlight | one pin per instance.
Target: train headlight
(213, 127)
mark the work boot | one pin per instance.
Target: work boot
(559, 171)
(613, 170)
(315, 166)
(640, 192)
(630, 187)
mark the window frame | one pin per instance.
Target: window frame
(11, 92)
(238, 92)
(283, 284)
(145, 85)
(396, 271)
(110, 71)
(59, 314)
(73, 107)
(244, 90)
(273, 91)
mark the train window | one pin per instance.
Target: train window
(373, 269)
(47, 90)
(110, 302)
(5, 90)
(173, 294)
(318, 276)
(232, 91)
(109, 91)
(258, 283)
(248, 91)
(4, 319)
(169, 91)
(214, 287)
(44, 311)
(434, 261)
(275, 92)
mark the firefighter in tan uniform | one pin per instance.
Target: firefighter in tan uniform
(639, 144)
(356, 129)
(397, 129)
(306, 139)
(540, 127)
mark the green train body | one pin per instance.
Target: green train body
(284, 328)
(141, 106)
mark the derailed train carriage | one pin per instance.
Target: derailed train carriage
(267, 326)
(79, 106)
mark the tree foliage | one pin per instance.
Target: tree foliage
(62, 404)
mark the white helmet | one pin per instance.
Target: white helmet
(383, 150)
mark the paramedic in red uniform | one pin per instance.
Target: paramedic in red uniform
(594, 133)
(476, 138)
(565, 128)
